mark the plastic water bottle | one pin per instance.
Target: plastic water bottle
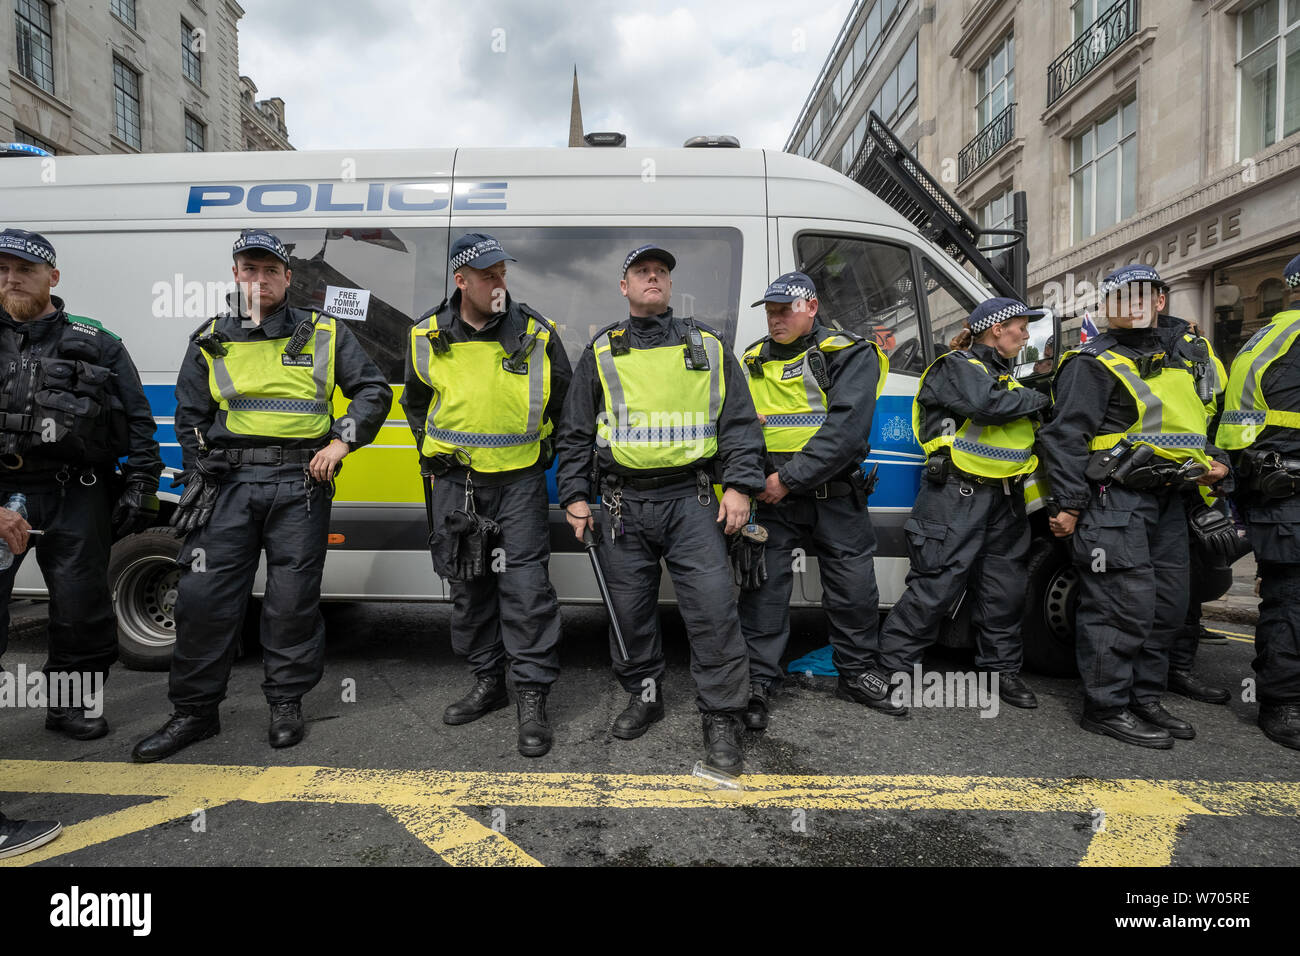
(17, 502)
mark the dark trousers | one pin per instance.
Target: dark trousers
(962, 537)
(1277, 635)
(840, 531)
(1182, 655)
(1132, 556)
(218, 565)
(685, 535)
(73, 557)
(510, 616)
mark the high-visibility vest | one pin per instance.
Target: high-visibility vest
(658, 412)
(1245, 410)
(1170, 416)
(787, 392)
(487, 402)
(989, 451)
(268, 393)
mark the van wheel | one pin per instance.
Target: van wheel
(1048, 624)
(142, 575)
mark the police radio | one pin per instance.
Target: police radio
(697, 359)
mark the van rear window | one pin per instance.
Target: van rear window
(382, 280)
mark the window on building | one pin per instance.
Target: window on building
(1103, 171)
(35, 42)
(31, 139)
(997, 213)
(124, 10)
(191, 62)
(860, 51)
(195, 134)
(873, 27)
(126, 103)
(907, 77)
(1084, 12)
(1268, 70)
(846, 78)
(996, 82)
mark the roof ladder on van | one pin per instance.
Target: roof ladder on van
(889, 169)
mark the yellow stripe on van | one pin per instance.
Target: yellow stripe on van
(387, 471)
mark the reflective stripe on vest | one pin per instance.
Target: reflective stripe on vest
(794, 407)
(1171, 418)
(989, 451)
(263, 396)
(658, 413)
(480, 406)
(1246, 411)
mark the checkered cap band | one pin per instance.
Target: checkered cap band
(993, 318)
(1126, 276)
(480, 248)
(261, 239)
(26, 246)
(1291, 275)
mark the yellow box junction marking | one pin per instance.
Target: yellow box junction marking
(1140, 827)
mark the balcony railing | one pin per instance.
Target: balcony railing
(1098, 41)
(999, 131)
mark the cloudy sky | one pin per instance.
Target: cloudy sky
(405, 73)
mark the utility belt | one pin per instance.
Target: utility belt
(939, 470)
(1137, 467)
(854, 484)
(683, 478)
(270, 455)
(1270, 475)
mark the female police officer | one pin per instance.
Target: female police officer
(968, 529)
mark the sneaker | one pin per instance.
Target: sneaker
(19, 836)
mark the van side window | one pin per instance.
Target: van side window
(570, 274)
(947, 304)
(867, 287)
(379, 281)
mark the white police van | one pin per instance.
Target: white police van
(144, 247)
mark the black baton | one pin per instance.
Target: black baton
(591, 543)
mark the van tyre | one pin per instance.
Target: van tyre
(1048, 624)
(142, 577)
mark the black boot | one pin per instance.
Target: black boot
(1281, 724)
(1015, 691)
(487, 695)
(1155, 713)
(1186, 684)
(756, 712)
(1129, 728)
(179, 732)
(74, 722)
(287, 725)
(638, 716)
(722, 742)
(534, 727)
(872, 689)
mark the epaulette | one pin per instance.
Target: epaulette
(532, 313)
(608, 328)
(703, 328)
(90, 326)
(1095, 347)
(847, 333)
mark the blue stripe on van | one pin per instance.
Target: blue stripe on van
(162, 400)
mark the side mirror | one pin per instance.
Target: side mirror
(1037, 361)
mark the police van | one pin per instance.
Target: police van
(144, 247)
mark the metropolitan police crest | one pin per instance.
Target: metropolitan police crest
(896, 429)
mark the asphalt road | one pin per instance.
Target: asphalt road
(829, 783)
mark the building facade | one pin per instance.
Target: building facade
(121, 76)
(1165, 132)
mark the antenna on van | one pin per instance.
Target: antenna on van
(889, 169)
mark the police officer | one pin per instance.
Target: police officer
(815, 391)
(1126, 439)
(1183, 338)
(71, 404)
(665, 406)
(486, 377)
(260, 450)
(968, 534)
(1261, 426)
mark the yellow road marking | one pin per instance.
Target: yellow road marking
(1140, 825)
(1233, 635)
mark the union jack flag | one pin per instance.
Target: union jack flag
(1088, 330)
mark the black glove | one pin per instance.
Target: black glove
(469, 537)
(746, 552)
(1217, 534)
(137, 509)
(200, 496)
